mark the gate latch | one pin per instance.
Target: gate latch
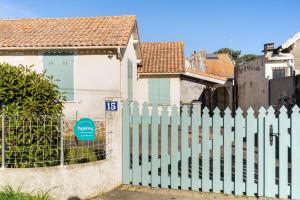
(272, 134)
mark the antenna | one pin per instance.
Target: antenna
(230, 47)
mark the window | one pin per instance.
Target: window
(61, 67)
(159, 91)
(130, 89)
(278, 72)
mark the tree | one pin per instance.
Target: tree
(32, 105)
(246, 58)
(236, 55)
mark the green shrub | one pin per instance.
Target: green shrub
(8, 193)
(32, 105)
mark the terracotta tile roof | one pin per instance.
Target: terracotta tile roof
(223, 66)
(66, 32)
(162, 57)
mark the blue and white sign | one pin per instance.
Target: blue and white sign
(85, 129)
(111, 105)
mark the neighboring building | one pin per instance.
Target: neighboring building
(252, 84)
(276, 63)
(254, 77)
(165, 77)
(159, 73)
(94, 58)
(292, 47)
(217, 72)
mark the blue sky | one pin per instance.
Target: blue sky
(200, 24)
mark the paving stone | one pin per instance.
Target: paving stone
(147, 193)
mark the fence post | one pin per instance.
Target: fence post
(61, 141)
(3, 142)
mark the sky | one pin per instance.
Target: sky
(212, 24)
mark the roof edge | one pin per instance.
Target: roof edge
(61, 47)
(291, 41)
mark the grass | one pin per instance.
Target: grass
(8, 193)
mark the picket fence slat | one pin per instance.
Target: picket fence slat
(165, 158)
(220, 153)
(238, 153)
(136, 168)
(145, 146)
(261, 150)
(154, 147)
(185, 149)
(228, 139)
(251, 129)
(284, 125)
(126, 144)
(295, 149)
(196, 149)
(206, 123)
(174, 149)
(271, 120)
(217, 143)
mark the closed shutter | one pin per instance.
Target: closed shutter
(164, 89)
(159, 90)
(153, 90)
(130, 89)
(62, 69)
(67, 74)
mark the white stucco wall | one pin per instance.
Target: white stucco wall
(270, 66)
(96, 76)
(142, 89)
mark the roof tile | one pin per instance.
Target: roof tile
(223, 66)
(66, 32)
(162, 57)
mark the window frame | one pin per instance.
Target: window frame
(275, 71)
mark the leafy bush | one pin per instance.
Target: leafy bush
(32, 105)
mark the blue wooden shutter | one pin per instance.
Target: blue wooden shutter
(159, 90)
(130, 90)
(67, 75)
(61, 68)
(164, 91)
(153, 90)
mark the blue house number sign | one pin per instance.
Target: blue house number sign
(85, 129)
(111, 105)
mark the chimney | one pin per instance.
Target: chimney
(202, 59)
(268, 48)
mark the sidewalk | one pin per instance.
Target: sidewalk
(145, 193)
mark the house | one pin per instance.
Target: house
(217, 72)
(159, 73)
(165, 77)
(93, 58)
(292, 47)
(271, 76)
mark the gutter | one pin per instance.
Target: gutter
(205, 78)
(61, 48)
